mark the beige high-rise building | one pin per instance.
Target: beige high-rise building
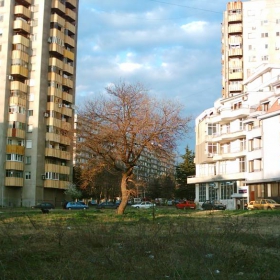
(38, 45)
(250, 37)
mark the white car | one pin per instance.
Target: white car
(144, 204)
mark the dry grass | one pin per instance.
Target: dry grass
(174, 245)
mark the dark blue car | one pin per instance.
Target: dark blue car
(76, 205)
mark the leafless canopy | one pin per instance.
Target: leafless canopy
(118, 127)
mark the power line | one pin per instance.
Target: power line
(210, 11)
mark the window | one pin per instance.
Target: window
(265, 106)
(251, 166)
(228, 189)
(202, 192)
(52, 176)
(29, 128)
(250, 126)
(14, 173)
(27, 175)
(28, 160)
(213, 194)
(250, 145)
(28, 144)
(242, 164)
(212, 129)
(264, 57)
(14, 157)
(1, 31)
(212, 148)
(264, 22)
(30, 113)
(264, 35)
(1, 17)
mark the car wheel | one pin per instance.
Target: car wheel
(269, 208)
(137, 207)
(69, 208)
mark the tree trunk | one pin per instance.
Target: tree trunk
(125, 195)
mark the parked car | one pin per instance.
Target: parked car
(213, 205)
(107, 205)
(250, 205)
(186, 205)
(266, 204)
(144, 205)
(76, 205)
(43, 205)
(92, 203)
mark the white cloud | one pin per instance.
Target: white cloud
(129, 66)
(196, 26)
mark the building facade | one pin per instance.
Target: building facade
(250, 37)
(38, 46)
(234, 136)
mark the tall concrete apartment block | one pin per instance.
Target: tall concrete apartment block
(237, 140)
(250, 37)
(38, 45)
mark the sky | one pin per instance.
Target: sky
(172, 47)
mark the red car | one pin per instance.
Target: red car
(186, 205)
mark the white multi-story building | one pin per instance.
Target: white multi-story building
(237, 143)
(38, 40)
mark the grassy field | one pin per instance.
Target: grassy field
(172, 244)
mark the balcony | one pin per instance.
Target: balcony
(64, 170)
(16, 54)
(235, 76)
(17, 117)
(228, 114)
(235, 28)
(69, 41)
(71, 3)
(55, 48)
(65, 155)
(13, 182)
(65, 140)
(256, 153)
(19, 39)
(68, 83)
(53, 137)
(58, 7)
(15, 100)
(65, 125)
(22, 12)
(49, 152)
(16, 132)
(64, 185)
(52, 106)
(55, 77)
(21, 26)
(256, 131)
(56, 62)
(70, 27)
(67, 111)
(52, 168)
(70, 15)
(235, 18)
(70, 55)
(235, 52)
(55, 92)
(14, 165)
(56, 18)
(235, 87)
(53, 122)
(20, 71)
(18, 86)
(56, 33)
(68, 69)
(67, 97)
(51, 184)
(15, 149)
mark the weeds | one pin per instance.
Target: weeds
(173, 245)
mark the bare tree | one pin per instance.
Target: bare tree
(118, 127)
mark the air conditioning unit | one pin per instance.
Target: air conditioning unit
(10, 77)
(46, 115)
(60, 105)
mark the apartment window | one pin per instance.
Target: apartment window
(28, 160)
(264, 22)
(27, 175)
(264, 57)
(242, 144)
(264, 35)
(242, 167)
(29, 127)
(251, 13)
(222, 167)
(28, 144)
(212, 129)
(278, 21)
(52, 176)
(1, 17)
(251, 35)
(250, 145)
(14, 157)
(212, 148)
(236, 106)
(266, 46)
(265, 106)
(202, 192)
(250, 126)
(14, 173)
(1, 31)
(30, 113)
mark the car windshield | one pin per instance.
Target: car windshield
(271, 201)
